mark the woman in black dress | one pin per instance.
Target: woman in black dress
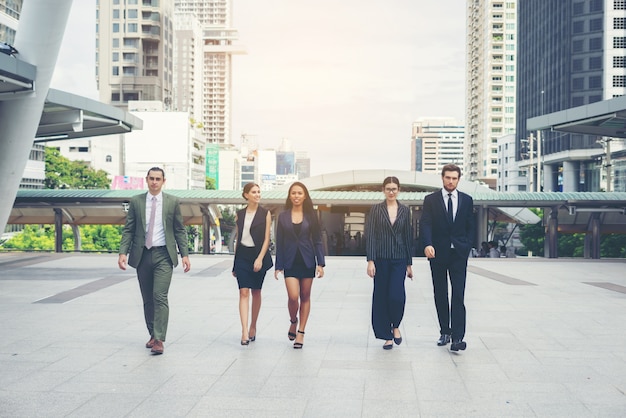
(299, 255)
(252, 257)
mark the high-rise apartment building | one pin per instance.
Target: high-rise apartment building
(134, 51)
(436, 142)
(490, 84)
(215, 18)
(570, 53)
(9, 16)
(188, 66)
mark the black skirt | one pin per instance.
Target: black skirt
(247, 278)
(299, 270)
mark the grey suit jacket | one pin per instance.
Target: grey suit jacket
(134, 234)
(384, 240)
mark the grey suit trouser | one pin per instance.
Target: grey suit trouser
(155, 274)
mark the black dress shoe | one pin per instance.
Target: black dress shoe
(458, 345)
(443, 340)
(388, 346)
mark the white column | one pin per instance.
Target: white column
(571, 175)
(38, 40)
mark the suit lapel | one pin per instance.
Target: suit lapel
(142, 211)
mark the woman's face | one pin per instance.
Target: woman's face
(297, 196)
(254, 195)
(391, 191)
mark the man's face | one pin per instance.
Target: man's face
(450, 180)
(155, 182)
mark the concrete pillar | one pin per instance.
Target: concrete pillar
(552, 233)
(38, 40)
(571, 176)
(549, 177)
(482, 225)
(592, 237)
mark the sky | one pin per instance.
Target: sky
(342, 80)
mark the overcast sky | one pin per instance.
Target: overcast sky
(341, 79)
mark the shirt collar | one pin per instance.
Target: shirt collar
(159, 197)
(454, 192)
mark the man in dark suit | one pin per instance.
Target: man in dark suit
(154, 228)
(447, 229)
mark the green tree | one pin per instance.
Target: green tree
(533, 236)
(613, 246)
(63, 173)
(32, 238)
(210, 184)
(100, 237)
(571, 245)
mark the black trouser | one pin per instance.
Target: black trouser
(454, 266)
(389, 297)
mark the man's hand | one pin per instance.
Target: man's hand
(122, 261)
(429, 251)
(186, 264)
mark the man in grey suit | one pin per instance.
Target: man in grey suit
(447, 231)
(154, 228)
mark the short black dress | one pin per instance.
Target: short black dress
(247, 278)
(299, 270)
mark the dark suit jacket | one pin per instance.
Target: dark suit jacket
(288, 243)
(134, 234)
(386, 241)
(257, 231)
(436, 229)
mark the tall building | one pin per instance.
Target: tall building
(9, 16)
(134, 51)
(570, 53)
(490, 84)
(188, 66)
(215, 18)
(436, 142)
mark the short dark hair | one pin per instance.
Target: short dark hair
(451, 167)
(156, 169)
(247, 188)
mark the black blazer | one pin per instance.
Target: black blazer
(288, 243)
(257, 231)
(386, 241)
(436, 229)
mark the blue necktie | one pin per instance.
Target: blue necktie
(450, 209)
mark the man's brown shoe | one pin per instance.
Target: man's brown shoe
(158, 347)
(150, 343)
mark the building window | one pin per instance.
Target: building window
(132, 13)
(115, 42)
(577, 65)
(116, 71)
(109, 159)
(116, 28)
(578, 101)
(595, 25)
(578, 27)
(619, 81)
(116, 57)
(596, 5)
(619, 62)
(579, 8)
(578, 45)
(132, 28)
(595, 63)
(619, 42)
(595, 82)
(578, 83)
(595, 98)
(619, 5)
(116, 13)
(595, 44)
(619, 23)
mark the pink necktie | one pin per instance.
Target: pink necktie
(151, 223)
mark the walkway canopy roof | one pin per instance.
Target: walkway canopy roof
(604, 118)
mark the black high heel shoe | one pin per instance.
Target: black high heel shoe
(292, 335)
(297, 345)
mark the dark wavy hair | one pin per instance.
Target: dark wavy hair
(307, 206)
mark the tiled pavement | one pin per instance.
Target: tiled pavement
(546, 338)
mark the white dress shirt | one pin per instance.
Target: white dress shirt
(158, 236)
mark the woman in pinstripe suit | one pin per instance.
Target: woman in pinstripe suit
(389, 259)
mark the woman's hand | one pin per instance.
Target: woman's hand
(319, 272)
(409, 272)
(258, 263)
(371, 269)
(276, 273)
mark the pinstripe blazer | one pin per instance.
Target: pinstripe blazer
(384, 240)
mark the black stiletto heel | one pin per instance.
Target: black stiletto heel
(297, 345)
(292, 335)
